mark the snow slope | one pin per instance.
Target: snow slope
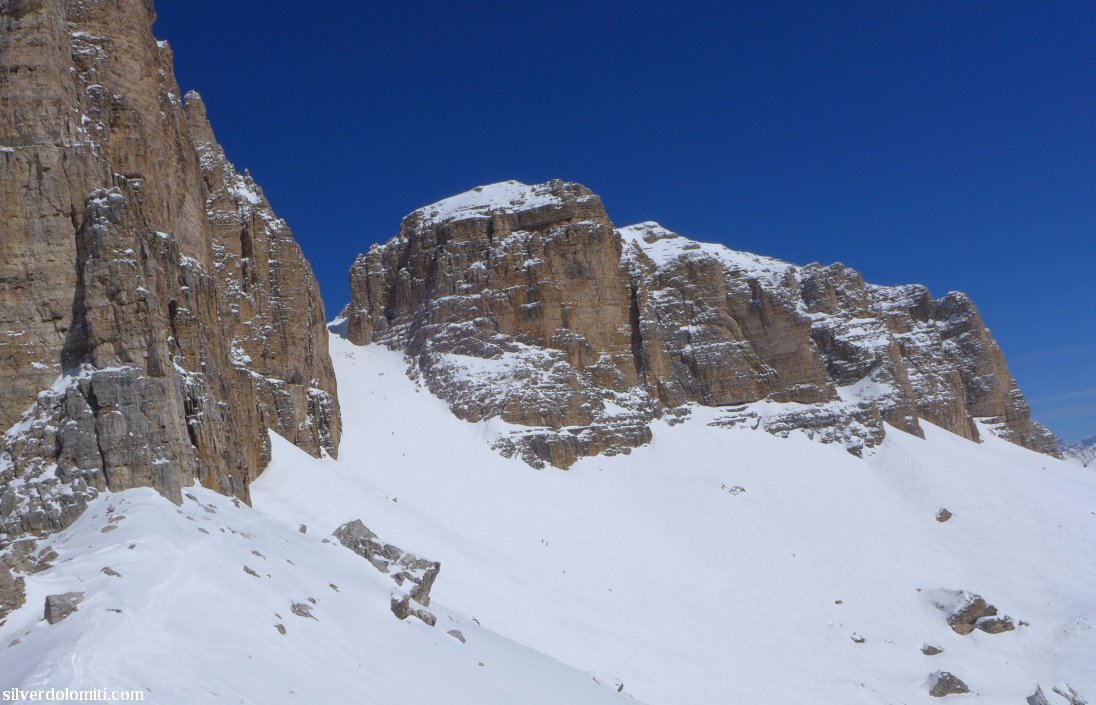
(648, 568)
(185, 622)
(713, 566)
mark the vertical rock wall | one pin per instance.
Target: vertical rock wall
(156, 317)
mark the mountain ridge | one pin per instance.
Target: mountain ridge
(526, 303)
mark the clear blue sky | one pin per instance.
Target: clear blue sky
(947, 143)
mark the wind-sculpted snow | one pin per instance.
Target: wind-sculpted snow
(525, 304)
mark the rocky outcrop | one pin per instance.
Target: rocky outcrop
(12, 592)
(156, 317)
(415, 576)
(524, 303)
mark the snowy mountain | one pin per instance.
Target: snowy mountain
(1082, 453)
(526, 303)
(541, 460)
(712, 565)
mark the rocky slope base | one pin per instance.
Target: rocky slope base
(525, 304)
(156, 317)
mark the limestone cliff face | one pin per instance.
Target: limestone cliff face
(156, 317)
(526, 304)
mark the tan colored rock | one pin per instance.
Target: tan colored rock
(524, 303)
(136, 346)
(944, 683)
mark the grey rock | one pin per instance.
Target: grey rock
(456, 634)
(944, 683)
(426, 616)
(111, 572)
(302, 610)
(404, 567)
(1038, 697)
(401, 606)
(1072, 696)
(12, 592)
(930, 650)
(995, 624)
(943, 515)
(60, 606)
(971, 608)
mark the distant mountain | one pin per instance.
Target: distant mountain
(1082, 453)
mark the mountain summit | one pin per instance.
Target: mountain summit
(526, 304)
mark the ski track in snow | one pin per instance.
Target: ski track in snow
(642, 569)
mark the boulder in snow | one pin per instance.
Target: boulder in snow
(60, 606)
(944, 683)
(995, 624)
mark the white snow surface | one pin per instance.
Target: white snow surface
(506, 196)
(664, 246)
(712, 566)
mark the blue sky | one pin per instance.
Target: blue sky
(947, 143)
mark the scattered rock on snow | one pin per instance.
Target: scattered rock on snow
(111, 572)
(60, 606)
(930, 650)
(250, 572)
(995, 624)
(945, 683)
(401, 606)
(302, 610)
(456, 634)
(968, 611)
(943, 515)
(280, 628)
(857, 638)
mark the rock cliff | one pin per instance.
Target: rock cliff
(156, 317)
(526, 304)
